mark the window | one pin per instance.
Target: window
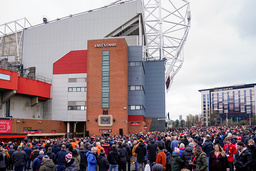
(105, 79)
(138, 63)
(137, 87)
(77, 89)
(137, 107)
(5, 77)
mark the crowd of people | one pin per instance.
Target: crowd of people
(219, 148)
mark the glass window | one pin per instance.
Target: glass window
(105, 78)
(72, 80)
(138, 87)
(78, 89)
(105, 73)
(138, 63)
(5, 77)
(105, 52)
(78, 107)
(105, 99)
(105, 105)
(105, 63)
(83, 89)
(70, 89)
(132, 87)
(105, 94)
(132, 107)
(74, 89)
(82, 107)
(105, 69)
(105, 84)
(138, 107)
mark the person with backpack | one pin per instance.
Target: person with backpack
(34, 153)
(102, 161)
(123, 156)
(152, 149)
(141, 153)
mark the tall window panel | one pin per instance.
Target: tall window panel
(105, 80)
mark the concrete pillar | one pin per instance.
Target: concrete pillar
(68, 130)
(74, 134)
(84, 129)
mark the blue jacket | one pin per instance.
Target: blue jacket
(28, 151)
(92, 162)
(60, 157)
(37, 162)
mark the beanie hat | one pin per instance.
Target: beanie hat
(240, 144)
(157, 167)
(46, 157)
(69, 156)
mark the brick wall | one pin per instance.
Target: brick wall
(45, 125)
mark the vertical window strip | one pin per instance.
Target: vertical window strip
(105, 79)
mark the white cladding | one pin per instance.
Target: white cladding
(46, 43)
(62, 97)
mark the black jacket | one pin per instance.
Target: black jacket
(252, 150)
(103, 163)
(187, 155)
(141, 152)
(243, 160)
(152, 148)
(19, 158)
(123, 154)
(129, 152)
(207, 147)
(113, 157)
(83, 162)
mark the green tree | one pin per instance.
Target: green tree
(182, 123)
(177, 123)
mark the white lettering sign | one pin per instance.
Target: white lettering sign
(105, 45)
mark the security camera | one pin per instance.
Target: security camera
(124, 108)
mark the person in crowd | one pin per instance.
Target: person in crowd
(243, 158)
(218, 159)
(230, 150)
(207, 147)
(123, 156)
(11, 151)
(77, 158)
(38, 161)
(83, 163)
(92, 159)
(34, 153)
(99, 147)
(47, 164)
(252, 148)
(3, 160)
(113, 158)
(181, 148)
(152, 149)
(174, 143)
(160, 142)
(102, 161)
(176, 160)
(19, 159)
(129, 153)
(28, 151)
(50, 153)
(134, 155)
(55, 148)
(187, 154)
(199, 159)
(60, 158)
(70, 163)
(157, 167)
(77, 148)
(141, 153)
(47, 145)
(106, 147)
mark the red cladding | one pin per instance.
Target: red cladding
(34, 87)
(12, 84)
(72, 63)
(136, 118)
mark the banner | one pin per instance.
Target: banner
(5, 126)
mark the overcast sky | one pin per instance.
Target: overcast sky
(220, 49)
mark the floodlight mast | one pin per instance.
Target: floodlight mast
(167, 24)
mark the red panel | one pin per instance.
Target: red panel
(135, 118)
(12, 136)
(12, 84)
(72, 63)
(34, 87)
(5, 126)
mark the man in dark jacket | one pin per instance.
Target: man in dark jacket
(152, 148)
(102, 161)
(141, 152)
(123, 157)
(207, 147)
(55, 148)
(252, 148)
(60, 158)
(47, 164)
(113, 158)
(129, 152)
(11, 151)
(83, 162)
(187, 155)
(28, 151)
(199, 160)
(243, 158)
(19, 159)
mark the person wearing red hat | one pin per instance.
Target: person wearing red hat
(238, 139)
